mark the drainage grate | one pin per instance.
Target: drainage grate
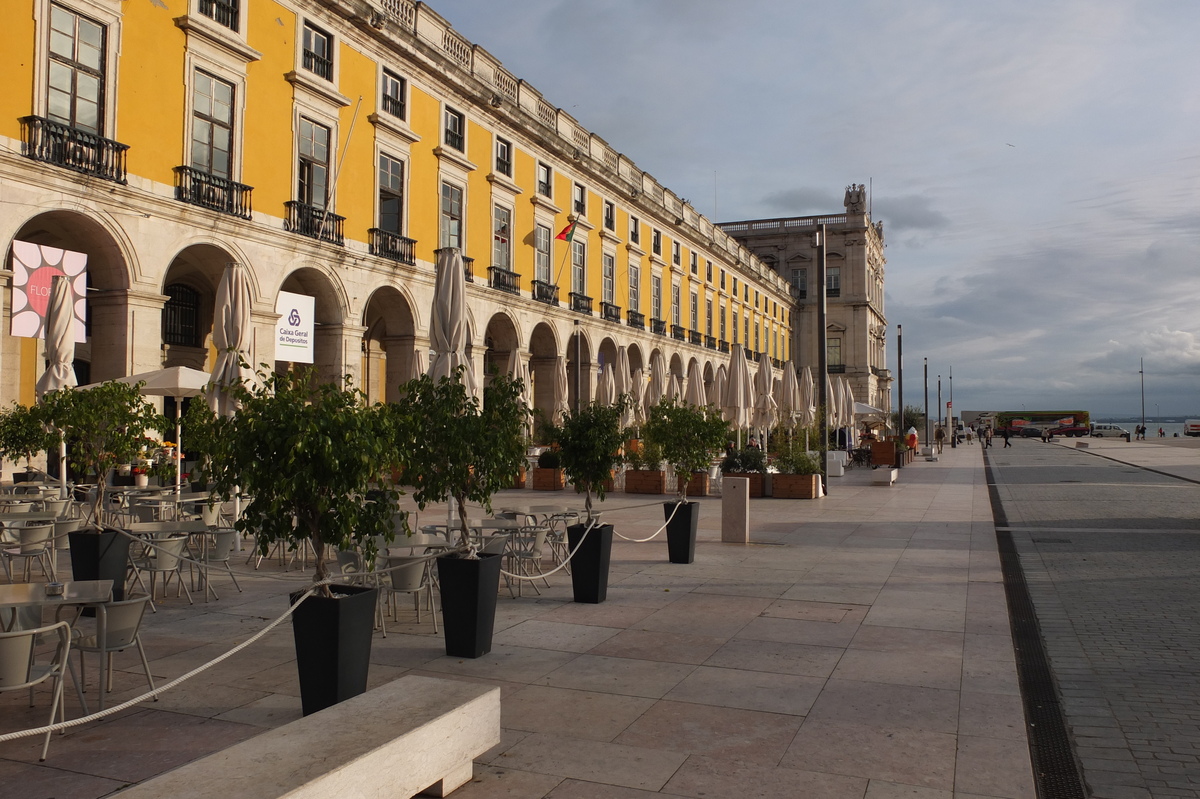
(1054, 766)
(1050, 540)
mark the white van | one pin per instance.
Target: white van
(1110, 430)
(1191, 427)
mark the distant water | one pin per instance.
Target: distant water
(1170, 424)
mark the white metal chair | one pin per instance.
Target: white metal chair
(165, 557)
(121, 631)
(410, 575)
(33, 544)
(219, 552)
(20, 668)
(525, 556)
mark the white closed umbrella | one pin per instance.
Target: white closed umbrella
(848, 403)
(516, 372)
(448, 322)
(637, 395)
(604, 387)
(766, 413)
(804, 406)
(674, 390)
(789, 396)
(739, 393)
(832, 411)
(231, 328)
(694, 395)
(657, 388)
(622, 384)
(60, 353)
(561, 406)
(716, 392)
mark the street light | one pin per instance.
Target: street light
(1142, 373)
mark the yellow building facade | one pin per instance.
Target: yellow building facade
(332, 147)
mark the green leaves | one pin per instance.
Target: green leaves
(589, 441)
(23, 432)
(687, 436)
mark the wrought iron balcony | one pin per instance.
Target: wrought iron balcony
(837, 292)
(778, 364)
(316, 223)
(678, 332)
(545, 292)
(318, 64)
(501, 279)
(710, 342)
(223, 12)
(610, 312)
(214, 193)
(753, 356)
(580, 303)
(658, 326)
(392, 246)
(723, 346)
(635, 319)
(694, 337)
(835, 368)
(74, 149)
(469, 269)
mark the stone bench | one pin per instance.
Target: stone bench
(413, 735)
(884, 477)
(1081, 445)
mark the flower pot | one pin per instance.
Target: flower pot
(549, 480)
(141, 480)
(796, 486)
(100, 555)
(644, 481)
(697, 484)
(589, 565)
(469, 602)
(681, 531)
(333, 645)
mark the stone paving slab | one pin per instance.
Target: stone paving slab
(858, 647)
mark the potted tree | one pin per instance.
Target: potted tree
(23, 434)
(307, 454)
(461, 450)
(104, 426)
(687, 436)
(798, 476)
(549, 475)
(589, 441)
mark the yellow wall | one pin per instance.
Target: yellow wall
(267, 148)
(424, 113)
(17, 42)
(151, 109)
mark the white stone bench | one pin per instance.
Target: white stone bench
(414, 735)
(1081, 445)
(884, 477)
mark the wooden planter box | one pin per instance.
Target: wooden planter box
(883, 453)
(640, 481)
(795, 486)
(756, 481)
(548, 480)
(697, 486)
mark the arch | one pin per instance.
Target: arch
(675, 366)
(197, 267)
(500, 338)
(331, 357)
(389, 344)
(543, 355)
(581, 376)
(636, 360)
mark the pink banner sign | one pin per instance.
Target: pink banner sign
(34, 268)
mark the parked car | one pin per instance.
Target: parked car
(1070, 432)
(1109, 430)
(1030, 432)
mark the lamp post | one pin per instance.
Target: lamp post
(822, 358)
(926, 439)
(1142, 374)
(950, 414)
(900, 378)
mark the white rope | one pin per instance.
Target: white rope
(559, 567)
(656, 532)
(63, 725)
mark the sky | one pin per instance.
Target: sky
(1036, 165)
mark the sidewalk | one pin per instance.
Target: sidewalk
(1179, 457)
(858, 647)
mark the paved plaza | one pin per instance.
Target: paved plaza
(858, 647)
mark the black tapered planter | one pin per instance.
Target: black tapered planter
(469, 589)
(333, 645)
(681, 531)
(589, 564)
(100, 555)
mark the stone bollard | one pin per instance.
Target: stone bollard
(735, 510)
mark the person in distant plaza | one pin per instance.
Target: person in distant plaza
(939, 439)
(1006, 435)
(1162, 433)
(988, 436)
(752, 443)
(970, 435)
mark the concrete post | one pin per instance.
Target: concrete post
(735, 510)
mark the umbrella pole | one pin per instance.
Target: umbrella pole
(178, 444)
(62, 467)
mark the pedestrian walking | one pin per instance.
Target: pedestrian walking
(1162, 433)
(989, 436)
(939, 439)
(1007, 442)
(970, 435)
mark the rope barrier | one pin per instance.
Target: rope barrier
(656, 532)
(529, 578)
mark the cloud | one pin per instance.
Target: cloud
(803, 201)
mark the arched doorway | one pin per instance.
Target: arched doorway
(331, 344)
(389, 342)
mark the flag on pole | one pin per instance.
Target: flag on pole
(567, 233)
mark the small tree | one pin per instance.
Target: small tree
(687, 436)
(458, 449)
(104, 426)
(24, 433)
(913, 417)
(307, 454)
(589, 441)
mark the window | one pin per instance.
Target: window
(745, 292)
(610, 216)
(77, 65)
(223, 12)
(391, 194)
(579, 199)
(504, 157)
(757, 347)
(456, 130)
(635, 294)
(833, 352)
(656, 297)
(695, 264)
(541, 253)
(708, 317)
(452, 205)
(502, 237)
(735, 288)
(722, 323)
(756, 298)
(395, 88)
(833, 281)
(735, 327)
(545, 184)
(722, 280)
(635, 230)
(676, 254)
(608, 273)
(656, 242)
(212, 126)
(800, 282)
(695, 312)
(181, 316)
(578, 262)
(708, 271)
(746, 334)
(313, 188)
(318, 51)
(675, 305)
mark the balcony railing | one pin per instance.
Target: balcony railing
(723, 346)
(658, 326)
(223, 12)
(392, 246)
(835, 292)
(710, 342)
(214, 193)
(545, 292)
(610, 312)
(468, 269)
(580, 303)
(836, 368)
(635, 320)
(74, 149)
(694, 337)
(318, 64)
(316, 223)
(501, 279)
(778, 364)
(678, 332)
